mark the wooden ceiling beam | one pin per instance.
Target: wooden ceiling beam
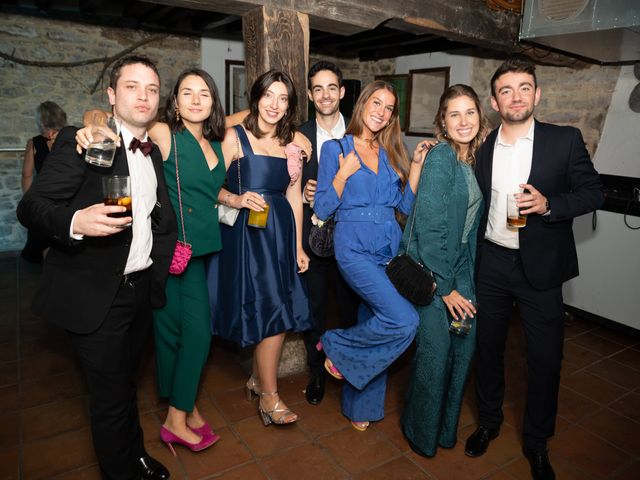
(468, 21)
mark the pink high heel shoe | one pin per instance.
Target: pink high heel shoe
(328, 365)
(205, 430)
(170, 438)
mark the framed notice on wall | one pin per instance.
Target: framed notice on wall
(235, 83)
(426, 87)
(401, 84)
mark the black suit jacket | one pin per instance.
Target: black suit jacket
(81, 278)
(310, 171)
(563, 172)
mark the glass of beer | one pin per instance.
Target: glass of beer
(117, 191)
(515, 219)
(105, 131)
(259, 219)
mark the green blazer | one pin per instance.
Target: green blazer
(199, 187)
(440, 211)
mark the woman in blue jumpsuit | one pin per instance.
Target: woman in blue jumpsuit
(361, 188)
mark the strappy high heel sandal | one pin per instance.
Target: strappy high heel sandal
(251, 388)
(268, 416)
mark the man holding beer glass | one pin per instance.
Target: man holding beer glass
(101, 278)
(548, 169)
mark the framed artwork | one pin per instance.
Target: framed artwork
(425, 87)
(235, 84)
(401, 84)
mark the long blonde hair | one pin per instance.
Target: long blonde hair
(390, 136)
(455, 91)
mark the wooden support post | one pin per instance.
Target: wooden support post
(278, 39)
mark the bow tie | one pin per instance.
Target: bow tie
(145, 147)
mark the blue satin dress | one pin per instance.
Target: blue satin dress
(255, 291)
(366, 238)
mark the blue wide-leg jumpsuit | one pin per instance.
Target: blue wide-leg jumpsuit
(366, 238)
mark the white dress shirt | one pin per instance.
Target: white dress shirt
(143, 194)
(322, 135)
(511, 167)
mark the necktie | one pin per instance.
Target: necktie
(145, 147)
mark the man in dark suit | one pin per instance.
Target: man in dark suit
(324, 81)
(551, 166)
(101, 277)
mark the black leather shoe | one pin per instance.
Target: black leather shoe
(151, 469)
(315, 389)
(539, 461)
(478, 441)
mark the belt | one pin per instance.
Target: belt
(133, 277)
(366, 214)
(500, 248)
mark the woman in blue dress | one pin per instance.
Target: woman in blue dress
(447, 212)
(255, 288)
(362, 189)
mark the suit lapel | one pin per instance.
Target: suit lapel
(537, 156)
(487, 164)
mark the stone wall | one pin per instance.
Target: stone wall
(576, 97)
(355, 70)
(23, 88)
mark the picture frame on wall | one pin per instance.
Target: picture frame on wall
(426, 85)
(401, 84)
(235, 84)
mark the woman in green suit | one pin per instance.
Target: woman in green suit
(446, 211)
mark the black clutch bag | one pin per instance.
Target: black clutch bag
(321, 238)
(412, 280)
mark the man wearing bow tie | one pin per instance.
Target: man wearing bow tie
(101, 278)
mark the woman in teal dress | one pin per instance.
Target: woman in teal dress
(256, 290)
(447, 210)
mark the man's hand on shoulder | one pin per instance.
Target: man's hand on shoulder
(94, 221)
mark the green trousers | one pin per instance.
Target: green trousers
(183, 336)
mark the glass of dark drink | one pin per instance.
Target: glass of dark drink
(515, 219)
(117, 191)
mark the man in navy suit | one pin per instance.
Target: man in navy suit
(101, 278)
(324, 81)
(550, 165)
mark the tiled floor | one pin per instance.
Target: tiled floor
(44, 422)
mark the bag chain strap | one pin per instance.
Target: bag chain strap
(238, 161)
(175, 152)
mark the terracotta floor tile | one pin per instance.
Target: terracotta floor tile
(228, 452)
(468, 412)
(573, 406)
(506, 447)
(84, 473)
(291, 388)
(521, 470)
(264, 441)
(628, 406)
(571, 331)
(221, 374)
(499, 475)
(578, 356)
(53, 419)
(358, 451)
(588, 452)
(616, 372)
(54, 455)
(8, 373)
(251, 471)
(621, 431)
(10, 461)
(43, 365)
(50, 389)
(629, 473)
(617, 337)
(391, 428)
(629, 357)
(305, 461)
(321, 419)
(597, 343)
(8, 398)
(453, 464)
(400, 468)
(593, 387)
(9, 433)
(234, 406)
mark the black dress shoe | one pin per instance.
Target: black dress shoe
(315, 389)
(539, 460)
(478, 441)
(151, 469)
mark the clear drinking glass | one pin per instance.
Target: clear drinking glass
(515, 219)
(116, 190)
(105, 131)
(259, 219)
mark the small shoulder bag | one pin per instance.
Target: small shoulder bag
(182, 252)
